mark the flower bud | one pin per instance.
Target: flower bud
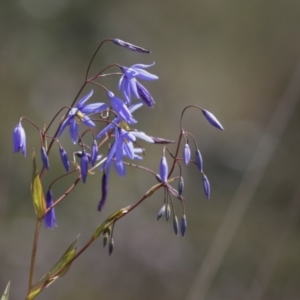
(212, 119)
(168, 212)
(206, 186)
(104, 189)
(187, 154)
(45, 158)
(49, 219)
(175, 225)
(94, 153)
(183, 225)
(180, 185)
(130, 46)
(19, 139)
(161, 212)
(64, 158)
(84, 166)
(111, 246)
(163, 169)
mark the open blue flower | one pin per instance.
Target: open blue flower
(129, 85)
(79, 114)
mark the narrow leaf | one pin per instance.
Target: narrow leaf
(6, 292)
(59, 269)
(37, 190)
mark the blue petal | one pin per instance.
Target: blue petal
(120, 168)
(84, 99)
(163, 169)
(134, 107)
(187, 154)
(145, 75)
(73, 130)
(94, 108)
(106, 129)
(87, 121)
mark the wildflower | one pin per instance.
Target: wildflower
(49, 219)
(212, 119)
(128, 83)
(199, 161)
(120, 108)
(206, 186)
(64, 158)
(187, 154)
(163, 169)
(19, 139)
(130, 46)
(79, 113)
(45, 158)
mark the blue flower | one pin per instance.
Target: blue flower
(49, 219)
(79, 114)
(120, 108)
(118, 120)
(129, 85)
(94, 153)
(19, 139)
(123, 146)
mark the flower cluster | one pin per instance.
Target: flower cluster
(113, 141)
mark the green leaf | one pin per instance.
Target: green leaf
(37, 190)
(58, 270)
(111, 219)
(6, 292)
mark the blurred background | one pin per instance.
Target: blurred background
(238, 59)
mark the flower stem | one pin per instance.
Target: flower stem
(33, 253)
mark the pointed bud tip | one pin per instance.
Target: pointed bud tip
(212, 119)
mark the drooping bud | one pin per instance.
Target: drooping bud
(163, 169)
(64, 158)
(183, 225)
(168, 212)
(111, 246)
(104, 190)
(145, 95)
(130, 46)
(84, 165)
(162, 141)
(94, 153)
(199, 161)
(161, 212)
(212, 119)
(105, 238)
(180, 185)
(49, 219)
(45, 158)
(19, 139)
(187, 154)
(206, 186)
(175, 225)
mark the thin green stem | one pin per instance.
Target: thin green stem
(33, 253)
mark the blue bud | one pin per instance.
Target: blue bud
(168, 212)
(199, 161)
(183, 225)
(175, 225)
(94, 153)
(84, 166)
(180, 185)
(161, 212)
(187, 154)
(130, 46)
(64, 158)
(212, 119)
(49, 219)
(111, 246)
(206, 186)
(104, 189)
(45, 158)
(163, 169)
